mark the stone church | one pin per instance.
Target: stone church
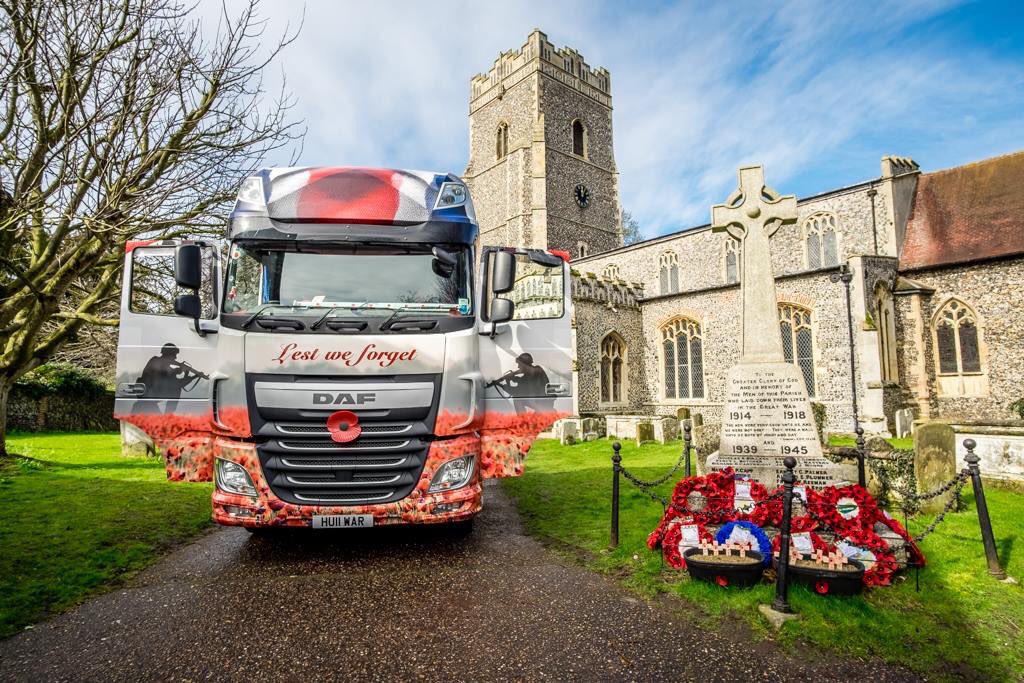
(937, 260)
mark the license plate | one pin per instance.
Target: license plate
(342, 521)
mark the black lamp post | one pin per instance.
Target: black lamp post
(845, 275)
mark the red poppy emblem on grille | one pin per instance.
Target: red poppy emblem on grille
(344, 426)
(721, 580)
(821, 587)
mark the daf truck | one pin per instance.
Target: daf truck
(345, 357)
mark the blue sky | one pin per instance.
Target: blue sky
(817, 92)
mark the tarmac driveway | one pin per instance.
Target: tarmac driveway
(391, 604)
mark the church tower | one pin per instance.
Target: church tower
(541, 166)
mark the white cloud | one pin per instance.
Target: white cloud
(814, 91)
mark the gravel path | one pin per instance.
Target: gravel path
(390, 604)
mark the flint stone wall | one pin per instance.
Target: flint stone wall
(986, 289)
(55, 413)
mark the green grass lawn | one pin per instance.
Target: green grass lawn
(961, 619)
(905, 443)
(79, 518)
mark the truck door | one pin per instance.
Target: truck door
(165, 360)
(525, 353)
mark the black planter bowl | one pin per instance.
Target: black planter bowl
(704, 568)
(829, 581)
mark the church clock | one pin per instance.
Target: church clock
(582, 195)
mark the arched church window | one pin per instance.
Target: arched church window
(732, 261)
(613, 369)
(583, 249)
(821, 240)
(501, 143)
(886, 326)
(798, 341)
(579, 139)
(682, 359)
(610, 272)
(957, 339)
(668, 265)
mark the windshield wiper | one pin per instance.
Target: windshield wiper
(393, 318)
(252, 318)
(332, 309)
(271, 323)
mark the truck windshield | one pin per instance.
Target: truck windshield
(302, 279)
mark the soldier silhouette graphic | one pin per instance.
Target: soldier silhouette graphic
(527, 381)
(167, 377)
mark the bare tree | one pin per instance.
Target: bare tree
(119, 119)
(630, 229)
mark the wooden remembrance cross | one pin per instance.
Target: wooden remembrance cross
(767, 413)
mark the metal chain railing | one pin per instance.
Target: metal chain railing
(954, 485)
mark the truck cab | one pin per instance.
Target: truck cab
(347, 355)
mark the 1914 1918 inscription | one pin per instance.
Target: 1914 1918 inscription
(767, 413)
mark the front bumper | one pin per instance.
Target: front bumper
(419, 507)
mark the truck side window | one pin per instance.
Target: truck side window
(153, 287)
(539, 290)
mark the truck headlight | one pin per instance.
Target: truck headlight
(233, 478)
(453, 474)
(451, 194)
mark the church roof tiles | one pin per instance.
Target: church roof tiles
(968, 213)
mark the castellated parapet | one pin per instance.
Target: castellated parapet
(563, 64)
(601, 290)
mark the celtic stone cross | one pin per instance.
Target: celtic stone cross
(752, 214)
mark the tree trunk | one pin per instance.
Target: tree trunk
(5, 392)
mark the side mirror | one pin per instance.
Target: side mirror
(444, 262)
(188, 306)
(503, 272)
(501, 310)
(188, 266)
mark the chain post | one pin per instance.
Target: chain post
(616, 470)
(781, 602)
(862, 477)
(987, 538)
(687, 440)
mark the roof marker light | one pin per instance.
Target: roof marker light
(451, 194)
(251, 191)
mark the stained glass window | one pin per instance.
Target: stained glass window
(668, 268)
(683, 359)
(732, 261)
(956, 339)
(613, 356)
(822, 241)
(798, 341)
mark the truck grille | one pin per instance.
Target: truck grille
(301, 463)
(321, 429)
(318, 471)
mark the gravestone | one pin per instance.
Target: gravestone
(767, 415)
(569, 432)
(666, 429)
(904, 422)
(644, 433)
(934, 460)
(593, 428)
